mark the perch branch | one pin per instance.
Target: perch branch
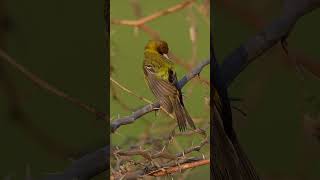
(137, 96)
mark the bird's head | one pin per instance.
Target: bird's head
(158, 46)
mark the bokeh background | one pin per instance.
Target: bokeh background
(63, 42)
(281, 131)
(127, 48)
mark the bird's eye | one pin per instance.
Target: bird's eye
(148, 66)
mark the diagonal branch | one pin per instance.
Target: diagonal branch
(179, 168)
(46, 86)
(156, 15)
(229, 159)
(155, 106)
(129, 91)
(279, 29)
(137, 96)
(86, 167)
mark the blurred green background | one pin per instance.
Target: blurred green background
(282, 103)
(63, 42)
(127, 46)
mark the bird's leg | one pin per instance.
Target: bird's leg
(155, 112)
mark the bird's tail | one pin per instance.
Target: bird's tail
(182, 115)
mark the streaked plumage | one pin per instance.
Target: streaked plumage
(162, 79)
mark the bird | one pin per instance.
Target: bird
(162, 80)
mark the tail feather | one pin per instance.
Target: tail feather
(189, 120)
(182, 115)
(179, 113)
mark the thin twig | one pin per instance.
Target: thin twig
(130, 92)
(154, 16)
(116, 97)
(45, 85)
(194, 148)
(139, 97)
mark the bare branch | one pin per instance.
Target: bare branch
(166, 169)
(156, 156)
(229, 158)
(240, 58)
(137, 96)
(129, 91)
(115, 97)
(86, 167)
(251, 18)
(179, 168)
(153, 16)
(45, 85)
(194, 148)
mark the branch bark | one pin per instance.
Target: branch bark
(164, 172)
(280, 28)
(229, 160)
(169, 168)
(86, 167)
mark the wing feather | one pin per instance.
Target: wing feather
(160, 88)
(169, 96)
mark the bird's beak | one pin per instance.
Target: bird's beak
(166, 56)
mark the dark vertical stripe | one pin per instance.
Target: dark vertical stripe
(107, 34)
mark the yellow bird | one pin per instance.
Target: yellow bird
(162, 80)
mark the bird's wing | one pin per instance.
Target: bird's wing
(160, 88)
(174, 80)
